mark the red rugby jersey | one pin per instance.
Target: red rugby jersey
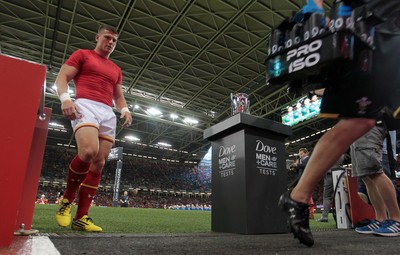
(97, 76)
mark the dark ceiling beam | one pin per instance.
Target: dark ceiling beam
(160, 44)
(46, 24)
(125, 16)
(212, 40)
(226, 69)
(71, 25)
(55, 33)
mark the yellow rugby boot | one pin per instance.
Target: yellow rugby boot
(63, 215)
(85, 224)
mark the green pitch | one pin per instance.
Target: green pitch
(135, 220)
(129, 220)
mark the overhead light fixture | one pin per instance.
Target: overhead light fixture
(70, 91)
(211, 114)
(53, 124)
(164, 144)
(173, 116)
(154, 111)
(132, 138)
(191, 121)
(308, 136)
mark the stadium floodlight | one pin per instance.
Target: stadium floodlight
(164, 144)
(153, 111)
(191, 121)
(70, 91)
(132, 138)
(54, 124)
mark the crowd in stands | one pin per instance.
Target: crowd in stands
(136, 172)
(141, 176)
(137, 199)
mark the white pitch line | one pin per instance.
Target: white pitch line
(41, 245)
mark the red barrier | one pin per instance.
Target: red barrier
(32, 175)
(22, 86)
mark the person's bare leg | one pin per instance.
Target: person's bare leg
(327, 151)
(325, 154)
(386, 196)
(375, 197)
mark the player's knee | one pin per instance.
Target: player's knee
(87, 154)
(369, 179)
(369, 123)
(356, 126)
(99, 163)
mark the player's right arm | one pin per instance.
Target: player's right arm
(66, 74)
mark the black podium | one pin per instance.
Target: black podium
(248, 175)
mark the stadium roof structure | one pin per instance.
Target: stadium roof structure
(184, 57)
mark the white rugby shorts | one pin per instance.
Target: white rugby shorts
(98, 115)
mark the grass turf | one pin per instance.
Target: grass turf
(136, 220)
